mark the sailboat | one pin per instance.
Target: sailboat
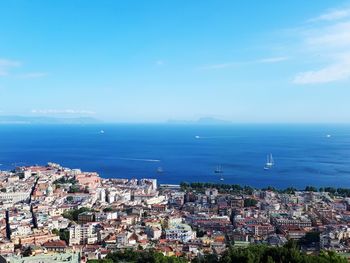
(269, 162)
(218, 170)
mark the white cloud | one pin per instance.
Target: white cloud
(327, 43)
(63, 111)
(33, 75)
(331, 15)
(6, 65)
(336, 35)
(268, 60)
(9, 63)
(330, 73)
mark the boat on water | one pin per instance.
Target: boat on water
(269, 162)
(160, 170)
(102, 131)
(218, 170)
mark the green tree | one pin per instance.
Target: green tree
(310, 189)
(64, 235)
(250, 202)
(108, 209)
(100, 261)
(309, 238)
(73, 214)
(27, 252)
(56, 232)
(289, 253)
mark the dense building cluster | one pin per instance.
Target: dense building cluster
(51, 213)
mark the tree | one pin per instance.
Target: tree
(200, 233)
(56, 232)
(27, 252)
(73, 214)
(250, 202)
(289, 190)
(310, 189)
(74, 189)
(144, 256)
(108, 209)
(309, 238)
(265, 254)
(64, 235)
(100, 261)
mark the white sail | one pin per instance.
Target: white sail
(269, 162)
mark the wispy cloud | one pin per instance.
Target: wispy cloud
(331, 36)
(62, 111)
(327, 46)
(268, 60)
(9, 63)
(334, 72)
(33, 75)
(6, 65)
(331, 15)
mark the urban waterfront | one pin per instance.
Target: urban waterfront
(56, 214)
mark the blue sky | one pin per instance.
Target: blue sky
(150, 61)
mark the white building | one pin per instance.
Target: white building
(180, 232)
(82, 234)
(14, 197)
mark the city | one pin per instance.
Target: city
(56, 214)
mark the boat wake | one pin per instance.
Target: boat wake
(140, 160)
(215, 137)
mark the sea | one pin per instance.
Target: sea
(317, 155)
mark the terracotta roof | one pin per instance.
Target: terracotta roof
(166, 249)
(58, 243)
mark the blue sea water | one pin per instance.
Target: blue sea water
(303, 154)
